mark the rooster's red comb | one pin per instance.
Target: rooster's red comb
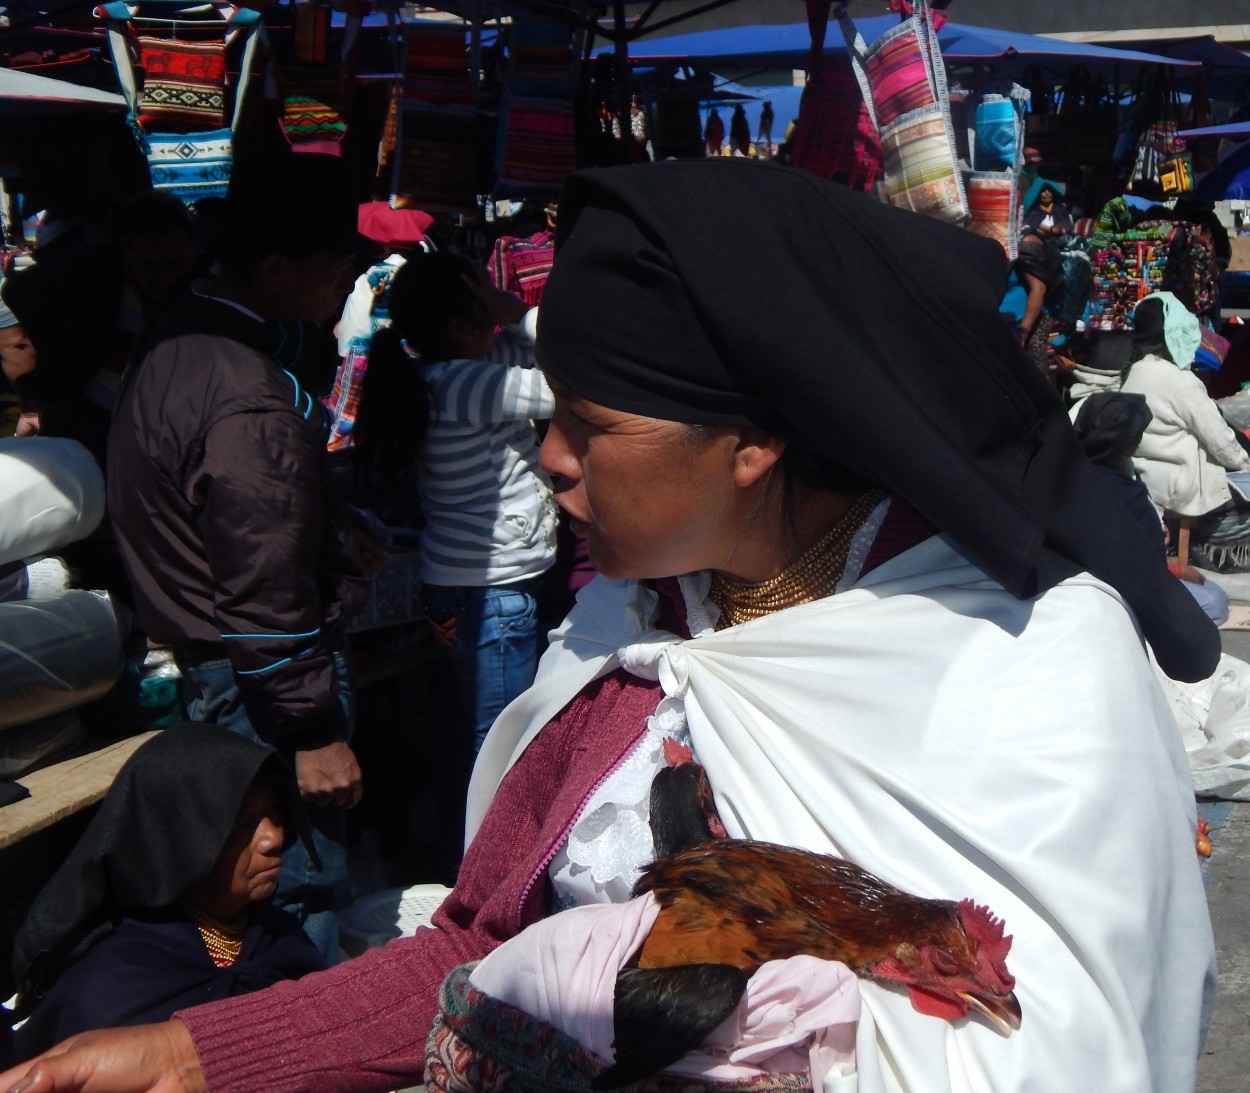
(984, 930)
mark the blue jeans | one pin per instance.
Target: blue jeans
(312, 895)
(491, 637)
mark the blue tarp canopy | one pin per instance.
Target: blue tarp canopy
(1231, 130)
(1226, 69)
(788, 45)
(1230, 180)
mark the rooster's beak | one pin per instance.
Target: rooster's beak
(1003, 1011)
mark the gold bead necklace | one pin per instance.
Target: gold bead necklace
(223, 940)
(813, 576)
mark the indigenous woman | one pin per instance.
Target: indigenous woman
(164, 901)
(1188, 450)
(864, 573)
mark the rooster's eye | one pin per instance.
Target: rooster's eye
(945, 963)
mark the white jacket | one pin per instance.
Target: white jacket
(1188, 445)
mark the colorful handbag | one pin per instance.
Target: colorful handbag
(904, 84)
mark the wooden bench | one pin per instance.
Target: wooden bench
(63, 788)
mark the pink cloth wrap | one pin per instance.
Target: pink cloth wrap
(798, 1014)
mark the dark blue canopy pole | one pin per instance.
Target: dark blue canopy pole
(621, 66)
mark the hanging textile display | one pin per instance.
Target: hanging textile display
(314, 89)
(1087, 118)
(538, 145)
(993, 188)
(836, 137)
(184, 85)
(903, 81)
(437, 128)
(184, 89)
(1162, 166)
(522, 265)
(190, 165)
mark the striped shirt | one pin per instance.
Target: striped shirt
(489, 515)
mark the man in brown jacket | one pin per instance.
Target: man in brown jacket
(240, 558)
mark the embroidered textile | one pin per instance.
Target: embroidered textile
(521, 266)
(435, 162)
(313, 105)
(190, 165)
(898, 74)
(998, 134)
(436, 64)
(183, 85)
(538, 146)
(919, 172)
(992, 207)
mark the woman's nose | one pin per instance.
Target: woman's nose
(554, 456)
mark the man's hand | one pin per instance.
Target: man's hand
(329, 775)
(143, 1059)
(29, 423)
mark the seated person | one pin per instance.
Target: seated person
(164, 900)
(1188, 450)
(1046, 214)
(1110, 427)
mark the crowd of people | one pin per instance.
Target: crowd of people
(863, 573)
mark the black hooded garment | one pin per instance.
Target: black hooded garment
(865, 334)
(105, 941)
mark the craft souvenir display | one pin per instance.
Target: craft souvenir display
(314, 89)
(538, 146)
(903, 81)
(184, 89)
(434, 165)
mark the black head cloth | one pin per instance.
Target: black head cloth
(157, 835)
(1109, 423)
(739, 292)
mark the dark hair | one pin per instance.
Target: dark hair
(1147, 335)
(153, 214)
(238, 256)
(424, 297)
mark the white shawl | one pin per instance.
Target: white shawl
(959, 743)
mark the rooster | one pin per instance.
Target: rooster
(727, 906)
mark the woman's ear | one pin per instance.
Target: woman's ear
(755, 455)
